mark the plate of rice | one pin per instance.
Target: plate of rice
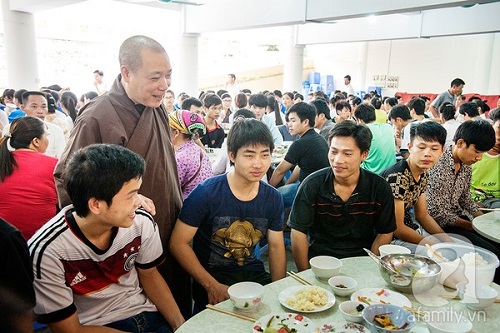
(307, 299)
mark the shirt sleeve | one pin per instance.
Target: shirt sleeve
(439, 198)
(276, 210)
(399, 185)
(465, 200)
(196, 206)
(151, 251)
(294, 152)
(386, 218)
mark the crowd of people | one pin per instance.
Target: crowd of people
(118, 218)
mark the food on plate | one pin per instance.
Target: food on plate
(385, 321)
(308, 299)
(283, 323)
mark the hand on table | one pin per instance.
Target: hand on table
(217, 293)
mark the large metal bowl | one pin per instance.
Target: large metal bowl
(415, 274)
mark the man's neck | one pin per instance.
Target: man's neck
(241, 188)
(414, 169)
(94, 231)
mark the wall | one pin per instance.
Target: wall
(423, 65)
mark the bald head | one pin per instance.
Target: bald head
(131, 48)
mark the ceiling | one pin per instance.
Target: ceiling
(325, 21)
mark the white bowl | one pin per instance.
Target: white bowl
(246, 295)
(452, 326)
(476, 296)
(453, 272)
(349, 311)
(348, 283)
(393, 249)
(324, 267)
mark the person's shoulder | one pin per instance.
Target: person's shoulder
(318, 176)
(51, 233)
(397, 168)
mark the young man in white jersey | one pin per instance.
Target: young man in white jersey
(95, 262)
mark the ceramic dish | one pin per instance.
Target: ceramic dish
(289, 321)
(342, 327)
(292, 291)
(380, 295)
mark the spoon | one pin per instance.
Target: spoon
(397, 278)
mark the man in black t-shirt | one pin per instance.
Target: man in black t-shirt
(307, 154)
(342, 208)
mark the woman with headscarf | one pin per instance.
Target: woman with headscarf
(193, 164)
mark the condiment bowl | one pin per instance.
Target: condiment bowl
(324, 267)
(246, 295)
(349, 310)
(342, 285)
(476, 296)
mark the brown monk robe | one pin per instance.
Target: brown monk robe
(114, 118)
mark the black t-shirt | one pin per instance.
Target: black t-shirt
(214, 138)
(16, 279)
(338, 228)
(310, 153)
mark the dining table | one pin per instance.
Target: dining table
(366, 273)
(488, 225)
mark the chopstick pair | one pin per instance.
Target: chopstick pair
(298, 278)
(231, 313)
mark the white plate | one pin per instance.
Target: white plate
(389, 296)
(343, 327)
(292, 320)
(291, 291)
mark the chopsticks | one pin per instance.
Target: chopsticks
(434, 252)
(298, 278)
(231, 313)
(415, 311)
(456, 297)
(490, 209)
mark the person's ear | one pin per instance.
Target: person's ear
(364, 155)
(95, 206)
(460, 143)
(125, 72)
(231, 156)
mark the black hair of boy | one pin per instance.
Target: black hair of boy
(447, 110)
(477, 132)
(365, 112)
(360, 133)
(400, 111)
(457, 82)
(248, 131)
(188, 102)
(391, 101)
(418, 105)
(211, 100)
(304, 111)
(321, 107)
(376, 102)
(259, 100)
(99, 171)
(428, 131)
(469, 108)
(243, 113)
(27, 95)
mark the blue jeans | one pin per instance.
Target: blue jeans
(142, 323)
(289, 192)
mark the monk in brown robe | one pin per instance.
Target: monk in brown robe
(131, 114)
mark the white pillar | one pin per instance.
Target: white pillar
(362, 63)
(293, 65)
(20, 46)
(188, 66)
(483, 64)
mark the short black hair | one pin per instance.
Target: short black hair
(321, 107)
(478, 132)
(376, 102)
(304, 111)
(211, 100)
(447, 110)
(347, 77)
(99, 171)
(457, 82)
(360, 133)
(399, 111)
(248, 131)
(27, 94)
(429, 131)
(365, 112)
(469, 108)
(259, 100)
(417, 104)
(186, 104)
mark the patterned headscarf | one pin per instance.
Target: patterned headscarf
(186, 122)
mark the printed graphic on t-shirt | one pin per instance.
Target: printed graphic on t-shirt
(235, 239)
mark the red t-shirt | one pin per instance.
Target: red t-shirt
(28, 196)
